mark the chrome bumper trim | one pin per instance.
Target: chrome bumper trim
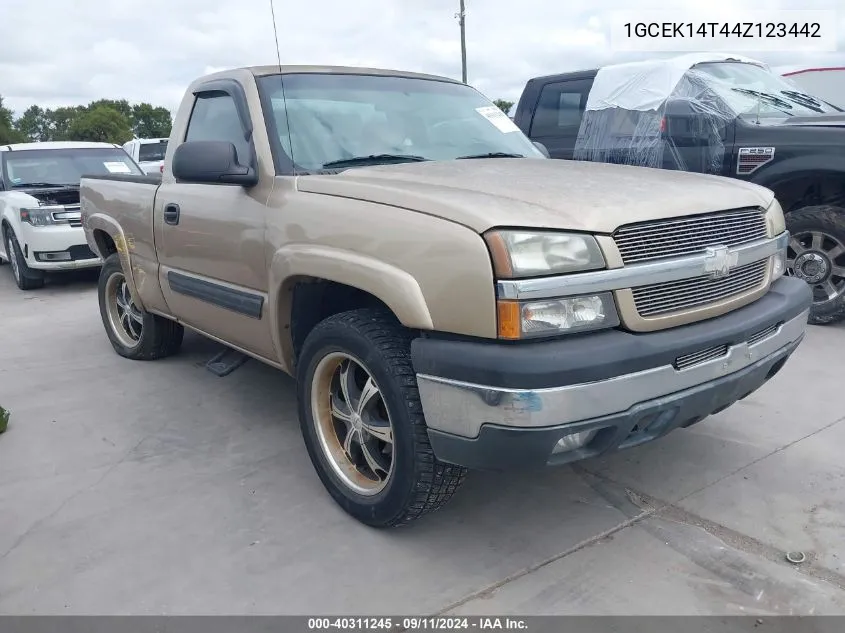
(462, 408)
(673, 269)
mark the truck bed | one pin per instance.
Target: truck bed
(147, 179)
(127, 200)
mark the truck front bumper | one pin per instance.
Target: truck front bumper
(505, 405)
(58, 247)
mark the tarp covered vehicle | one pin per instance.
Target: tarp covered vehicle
(716, 114)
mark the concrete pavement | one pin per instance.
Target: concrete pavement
(158, 488)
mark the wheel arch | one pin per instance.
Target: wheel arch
(5, 226)
(800, 183)
(308, 284)
(105, 237)
(104, 242)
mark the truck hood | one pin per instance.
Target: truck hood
(836, 119)
(556, 194)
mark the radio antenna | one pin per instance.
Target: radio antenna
(281, 85)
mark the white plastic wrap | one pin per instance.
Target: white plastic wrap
(626, 115)
(646, 85)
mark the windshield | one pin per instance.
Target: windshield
(61, 167)
(747, 87)
(149, 152)
(332, 118)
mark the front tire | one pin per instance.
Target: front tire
(816, 254)
(25, 277)
(133, 333)
(362, 421)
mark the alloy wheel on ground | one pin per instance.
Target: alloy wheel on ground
(125, 319)
(353, 425)
(818, 259)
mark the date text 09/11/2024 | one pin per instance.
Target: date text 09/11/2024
(436, 623)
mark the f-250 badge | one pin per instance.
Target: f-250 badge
(752, 158)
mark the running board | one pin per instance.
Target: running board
(226, 362)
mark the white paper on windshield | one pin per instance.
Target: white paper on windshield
(117, 167)
(498, 118)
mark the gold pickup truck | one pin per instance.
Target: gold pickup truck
(446, 297)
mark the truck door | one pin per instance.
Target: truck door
(210, 237)
(557, 117)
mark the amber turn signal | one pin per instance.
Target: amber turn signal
(510, 319)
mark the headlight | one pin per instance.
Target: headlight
(38, 217)
(518, 254)
(775, 219)
(550, 317)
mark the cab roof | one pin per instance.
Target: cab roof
(18, 147)
(275, 69)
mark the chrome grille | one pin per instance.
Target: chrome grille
(696, 358)
(674, 296)
(682, 236)
(69, 208)
(763, 334)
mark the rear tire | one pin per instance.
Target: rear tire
(816, 254)
(133, 333)
(368, 441)
(25, 277)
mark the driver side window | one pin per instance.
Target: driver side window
(215, 118)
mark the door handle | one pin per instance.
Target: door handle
(171, 214)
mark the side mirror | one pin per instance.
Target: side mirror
(211, 162)
(543, 149)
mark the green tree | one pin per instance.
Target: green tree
(149, 121)
(61, 120)
(101, 124)
(121, 105)
(8, 133)
(34, 124)
(503, 104)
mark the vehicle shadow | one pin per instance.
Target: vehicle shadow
(73, 279)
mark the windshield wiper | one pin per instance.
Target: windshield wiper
(374, 159)
(491, 155)
(21, 185)
(803, 99)
(772, 100)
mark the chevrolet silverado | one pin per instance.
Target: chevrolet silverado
(446, 297)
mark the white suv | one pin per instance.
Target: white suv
(40, 221)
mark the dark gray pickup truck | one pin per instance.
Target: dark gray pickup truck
(715, 115)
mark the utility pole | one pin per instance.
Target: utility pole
(462, 21)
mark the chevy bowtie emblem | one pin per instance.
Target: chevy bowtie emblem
(719, 260)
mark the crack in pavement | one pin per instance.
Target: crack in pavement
(651, 507)
(744, 543)
(593, 540)
(71, 497)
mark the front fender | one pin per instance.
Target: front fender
(775, 173)
(393, 286)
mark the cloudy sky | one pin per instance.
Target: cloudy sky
(58, 52)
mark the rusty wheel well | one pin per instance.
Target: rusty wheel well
(810, 189)
(317, 299)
